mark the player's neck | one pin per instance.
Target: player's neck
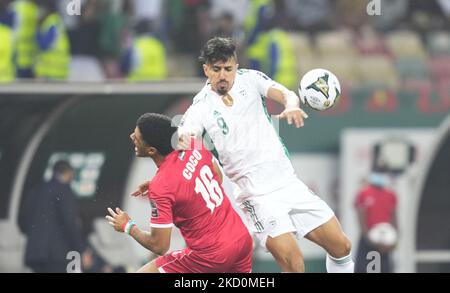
(158, 160)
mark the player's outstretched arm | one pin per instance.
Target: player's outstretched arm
(157, 241)
(292, 113)
(142, 189)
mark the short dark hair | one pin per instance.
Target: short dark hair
(157, 132)
(218, 49)
(61, 166)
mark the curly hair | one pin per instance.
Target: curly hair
(157, 132)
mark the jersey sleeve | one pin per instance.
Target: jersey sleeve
(161, 202)
(192, 121)
(262, 82)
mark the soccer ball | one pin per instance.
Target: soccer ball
(320, 89)
(383, 234)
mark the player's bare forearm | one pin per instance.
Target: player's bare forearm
(292, 113)
(157, 241)
(147, 240)
(278, 95)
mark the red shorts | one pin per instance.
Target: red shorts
(235, 258)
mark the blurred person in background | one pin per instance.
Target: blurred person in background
(225, 27)
(149, 10)
(425, 16)
(193, 24)
(310, 16)
(50, 221)
(26, 18)
(7, 69)
(53, 59)
(375, 204)
(393, 13)
(252, 24)
(273, 53)
(237, 8)
(84, 37)
(146, 60)
(350, 14)
(115, 33)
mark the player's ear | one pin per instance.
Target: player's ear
(151, 151)
(205, 69)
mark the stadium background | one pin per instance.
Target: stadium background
(394, 69)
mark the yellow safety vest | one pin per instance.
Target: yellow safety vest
(152, 60)
(54, 63)
(7, 70)
(25, 41)
(252, 17)
(285, 73)
(257, 52)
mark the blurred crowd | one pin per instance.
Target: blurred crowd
(142, 40)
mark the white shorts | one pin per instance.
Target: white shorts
(293, 208)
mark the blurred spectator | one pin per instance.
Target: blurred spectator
(149, 10)
(190, 25)
(26, 15)
(146, 60)
(84, 38)
(114, 33)
(50, 221)
(310, 15)
(375, 204)
(225, 27)
(258, 11)
(7, 69)
(428, 15)
(370, 42)
(393, 13)
(53, 58)
(351, 14)
(236, 8)
(273, 53)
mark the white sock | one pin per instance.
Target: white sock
(340, 265)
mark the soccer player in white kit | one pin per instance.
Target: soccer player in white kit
(231, 110)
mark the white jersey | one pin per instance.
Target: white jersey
(250, 150)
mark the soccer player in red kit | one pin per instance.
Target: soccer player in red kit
(186, 192)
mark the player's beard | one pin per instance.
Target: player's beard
(222, 88)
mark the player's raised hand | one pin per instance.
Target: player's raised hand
(142, 190)
(118, 219)
(294, 115)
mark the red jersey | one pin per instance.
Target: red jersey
(186, 192)
(378, 203)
